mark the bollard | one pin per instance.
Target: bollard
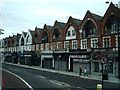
(99, 86)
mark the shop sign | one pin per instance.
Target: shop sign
(78, 56)
(81, 60)
(27, 55)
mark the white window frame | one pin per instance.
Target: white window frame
(33, 47)
(47, 46)
(58, 45)
(37, 47)
(84, 45)
(71, 29)
(117, 40)
(53, 47)
(66, 44)
(42, 47)
(108, 41)
(74, 44)
(94, 43)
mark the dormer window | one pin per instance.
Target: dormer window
(89, 29)
(44, 37)
(56, 34)
(68, 33)
(71, 33)
(112, 25)
(35, 38)
(22, 41)
(28, 41)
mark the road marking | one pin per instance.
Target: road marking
(41, 76)
(19, 78)
(81, 88)
(60, 83)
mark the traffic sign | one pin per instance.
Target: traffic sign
(103, 60)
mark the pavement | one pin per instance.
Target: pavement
(90, 76)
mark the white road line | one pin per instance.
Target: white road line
(19, 78)
(55, 82)
(41, 76)
(60, 83)
(82, 88)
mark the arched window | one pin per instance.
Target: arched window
(13, 42)
(111, 26)
(8, 43)
(28, 41)
(56, 34)
(71, 33)
(35, 39)
(22, 41)
(44, 37)
(89, 29)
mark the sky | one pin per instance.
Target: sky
(20, 15)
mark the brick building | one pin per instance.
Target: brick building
(66, 46)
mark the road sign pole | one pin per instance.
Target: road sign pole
(102, 78)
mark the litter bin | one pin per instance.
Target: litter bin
(105, 75)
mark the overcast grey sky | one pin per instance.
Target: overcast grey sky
(20, 15)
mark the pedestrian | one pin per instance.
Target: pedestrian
(85, 71)
(80, 69)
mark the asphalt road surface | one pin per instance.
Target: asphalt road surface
(42, 79)
(11, 81)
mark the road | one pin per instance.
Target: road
(11, 81)
(43, 79)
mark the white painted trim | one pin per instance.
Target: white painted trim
(58, 43)
(109, 41)
(91, 42)
(71, 28)
(65, 44)
(76, 44)
(86, 43)
(91, 21)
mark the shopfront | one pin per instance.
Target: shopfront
(71, 61)
(110, 65)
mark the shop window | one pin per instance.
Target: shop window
(96, 66)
